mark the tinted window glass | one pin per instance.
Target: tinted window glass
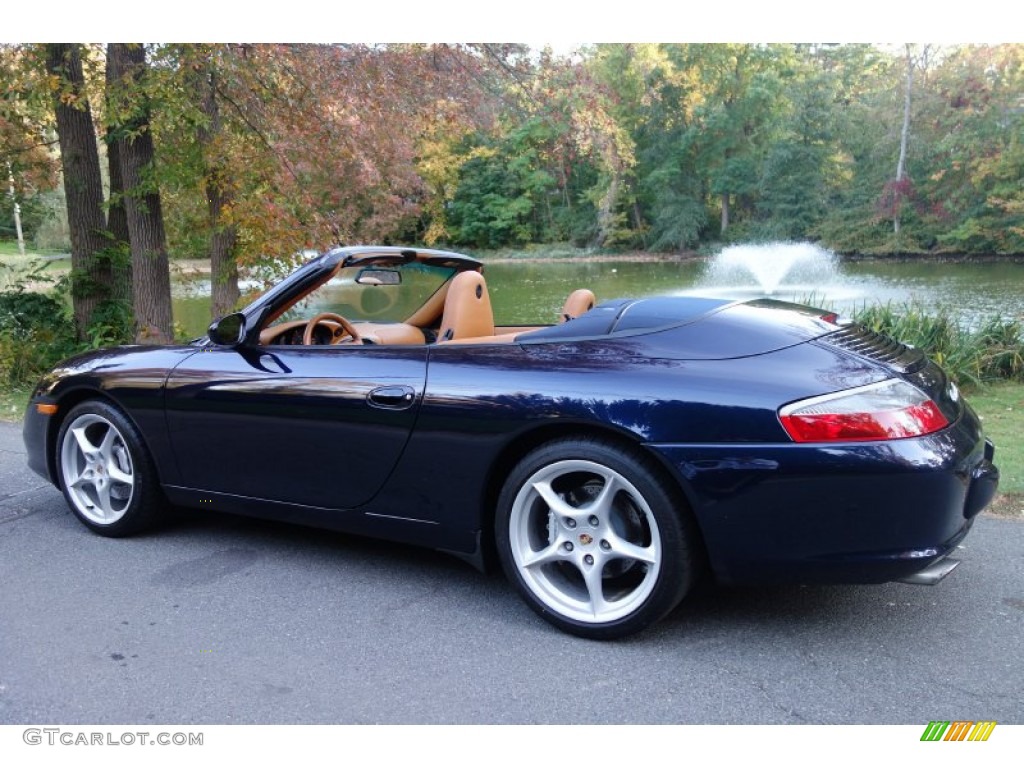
(377, 303)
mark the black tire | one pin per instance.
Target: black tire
(594, 561)
(106, 472)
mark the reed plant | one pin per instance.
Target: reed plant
(974, 352)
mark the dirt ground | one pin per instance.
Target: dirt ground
(1009, 505)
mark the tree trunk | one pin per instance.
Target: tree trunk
(117, 226)
(223, 236)
(223, 266)
(610, 200)
(117, 217)
(901, 164)
(16, 208)
(725, 211)
(606, 210)
(83, 187)
(563, 174)
(151, 281)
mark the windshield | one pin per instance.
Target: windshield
(372, 299)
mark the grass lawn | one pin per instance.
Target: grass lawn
(1001, 408)
(13, 402)
(15, 268)
(9, 248)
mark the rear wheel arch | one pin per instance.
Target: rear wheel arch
(514, 452)
(526, 443)
(650, 552)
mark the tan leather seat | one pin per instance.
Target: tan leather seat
(579, 301)
(467, 309)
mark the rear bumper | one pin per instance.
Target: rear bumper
(836, 513)
(984, 483)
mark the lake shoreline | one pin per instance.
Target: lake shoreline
(689, 257)
(933, 258)
(198, 269)
(191, 267)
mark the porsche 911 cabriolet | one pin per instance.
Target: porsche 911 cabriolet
(606, 459)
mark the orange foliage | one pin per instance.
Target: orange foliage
(320, 142)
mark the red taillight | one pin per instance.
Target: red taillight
(883, 411)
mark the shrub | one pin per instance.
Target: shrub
(24, 311)
(35, 333)
(972, 353)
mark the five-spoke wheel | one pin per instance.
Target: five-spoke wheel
(105, 472)
(597, 543)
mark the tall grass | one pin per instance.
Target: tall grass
(972, 353)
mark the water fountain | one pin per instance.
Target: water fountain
(767, 268)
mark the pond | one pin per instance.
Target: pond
(528, 292)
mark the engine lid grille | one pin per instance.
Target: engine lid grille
(878, 347)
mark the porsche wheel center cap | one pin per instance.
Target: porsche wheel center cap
(586, 538)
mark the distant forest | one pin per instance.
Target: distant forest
(248, 154)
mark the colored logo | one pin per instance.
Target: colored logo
(958, 730)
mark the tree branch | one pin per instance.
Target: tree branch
(256, 130)
(9, 153)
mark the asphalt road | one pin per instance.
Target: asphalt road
(217, 619)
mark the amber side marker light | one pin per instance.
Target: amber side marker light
(47, 409)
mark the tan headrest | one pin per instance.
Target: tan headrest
(467, 308)
(579, 301)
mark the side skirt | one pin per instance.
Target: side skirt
(365, 522)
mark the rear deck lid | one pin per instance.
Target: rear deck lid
(696, 328)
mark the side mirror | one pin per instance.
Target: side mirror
(229, 331)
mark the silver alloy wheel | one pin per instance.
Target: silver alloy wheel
(585, 541)
(96, 469)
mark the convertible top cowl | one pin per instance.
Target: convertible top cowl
(696, 328)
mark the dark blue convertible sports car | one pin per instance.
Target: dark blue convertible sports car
(606, 460)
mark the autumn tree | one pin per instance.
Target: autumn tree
(207, 72)
(664, 90)
(899, 189)
(27, 167)
(26, 170)
(117, 214)
(92, 276)
(281, 148)
(975, 150)
(661, 146)
(735, 96)
(151, 286)
(268, 150)
(556, 165)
